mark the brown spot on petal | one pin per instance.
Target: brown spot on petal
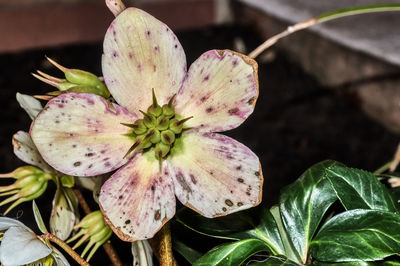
(224, 209)
(193, 179)
(90, 154)
(128, 221)
(233, 110)
(251, 100)
(257, 173)
(209, 109)
(157, 215)
(240, 180)
(239, 167)
(229, 203)
(239, 204)
(76, 164)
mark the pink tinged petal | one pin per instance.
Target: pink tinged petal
(138, 199)
(220, 91)
(215, 175)
(141, 53)
(81, 134)
(26, 151)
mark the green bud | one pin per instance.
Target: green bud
(162, 122)
(161, 150)
(167, 137)
(139, 127)
(168, 111)
(33, 192)
(175, 126)
(26, 181)
(156, 137)
(90, 220)
(100, 235)
(64, 86)
(154, 110)
(25, 171)
(149, 120)
(103, 92)
(81, 77)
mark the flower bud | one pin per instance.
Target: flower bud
(161, 150)
(168, 137)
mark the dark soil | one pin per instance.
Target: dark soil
(296, 122)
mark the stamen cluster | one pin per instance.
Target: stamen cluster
(159, 128)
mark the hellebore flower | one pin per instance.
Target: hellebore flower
(83, 134)
(21, 246)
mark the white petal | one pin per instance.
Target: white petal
(141, 53)
(29, 104)
(142, 253)
(6, 223)
(138, 199)
(220, 91)
(214, 174)
(59, 258)
(81, 134)
(26, 151)
(20, 246)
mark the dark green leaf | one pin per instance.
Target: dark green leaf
(220, 227)
(349, 263)
(358, 189)
(187, 252)
(303, 205)
(233, 253)
(267, 231)
(273, 261)
(366, 235)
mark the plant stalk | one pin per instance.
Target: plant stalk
(162, 246)
(323, 18)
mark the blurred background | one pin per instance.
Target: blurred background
(331, 92)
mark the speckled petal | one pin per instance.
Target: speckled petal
(220, 91)
(141, 53)
(81, 134)
(26, 151)
(138, 199)
(214, 174)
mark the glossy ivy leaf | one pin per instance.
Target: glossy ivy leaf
(221, 227)
(267, 231)
(273, 261)
(38, 218)
(358, 189)
(366, 235)
(303, 205)
(232, 254)
(191, 255)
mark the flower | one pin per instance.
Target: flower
(20, 245)
(84, 134)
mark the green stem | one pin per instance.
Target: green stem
(323, 18)
(66, 248)
(383, 168)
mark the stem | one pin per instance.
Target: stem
(66, 248)
(162, 246)
(383, 168)
(323, 18)
(111, 253)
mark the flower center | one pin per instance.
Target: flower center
(159, 128)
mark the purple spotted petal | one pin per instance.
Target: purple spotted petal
(138, 199)
(220, 91)
(214, 174)
(141, 53)
(81, 134)
(26, 151)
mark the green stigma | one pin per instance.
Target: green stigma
(159, 129)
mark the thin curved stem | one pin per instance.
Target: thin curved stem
(66, 248)
(323, 18)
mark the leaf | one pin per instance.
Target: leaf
(233, 253)
(273, 261)
(187, 252)
(366, 235)
(220, 227)
(31, 106)
(303, 205)
(38, 218)
(266, 231)
(349, 263)
(358, 189)
(142, 253)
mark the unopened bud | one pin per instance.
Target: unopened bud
(168, 137)
(161, 150)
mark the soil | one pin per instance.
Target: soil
(296, 122)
